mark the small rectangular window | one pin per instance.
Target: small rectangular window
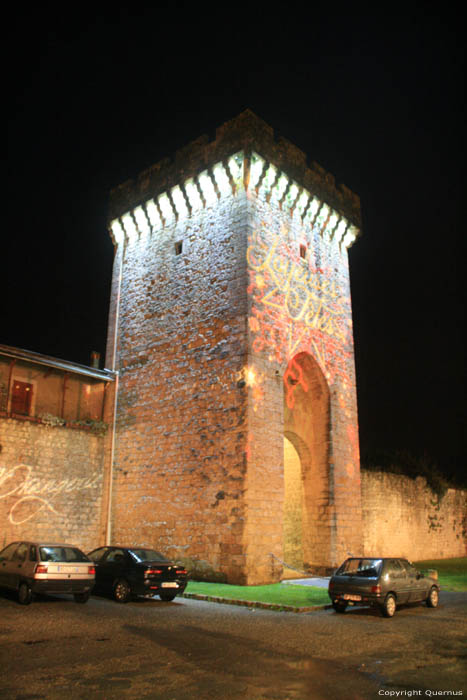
(178, 247)
(302, 250)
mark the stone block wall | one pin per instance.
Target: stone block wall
(52, 483)
(403, 517)
(181, 429)
(230, 285)
(301, 356)
(211, 310)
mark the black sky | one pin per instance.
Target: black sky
(93, 101)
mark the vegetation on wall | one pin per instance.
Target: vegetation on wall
(51, 421)
(97, 427)
(405, 463)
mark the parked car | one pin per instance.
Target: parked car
(126, 572)
(40, 567)
(383, 582)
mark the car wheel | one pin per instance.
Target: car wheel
(433, 597)
(340, 607)
(167, 597)
(81, 597)
(122, 591)
(389, 606)
(24, 593)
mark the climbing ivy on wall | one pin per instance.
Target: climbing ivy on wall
(408, 464)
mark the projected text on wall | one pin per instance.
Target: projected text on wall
(295, 305)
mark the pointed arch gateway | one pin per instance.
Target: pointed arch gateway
(307, 516)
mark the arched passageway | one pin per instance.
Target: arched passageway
(293, 506)
(307, 517)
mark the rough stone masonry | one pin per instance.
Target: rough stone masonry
(231, 329)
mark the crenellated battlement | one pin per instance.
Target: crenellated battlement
(247, 141)
(240, 171)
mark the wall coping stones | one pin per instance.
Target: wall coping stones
(255, 604)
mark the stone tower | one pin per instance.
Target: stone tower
(231, 329)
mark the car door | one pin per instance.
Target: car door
(417, 584)
(98, 556)
(398, 580)
(6, 565)
(111, 567)
(18, 568)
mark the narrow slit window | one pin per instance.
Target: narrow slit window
(178, 247)
(302, 251)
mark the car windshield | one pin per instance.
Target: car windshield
(360, 567)
(62, 554)
(147, 555)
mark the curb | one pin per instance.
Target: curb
(254, 604)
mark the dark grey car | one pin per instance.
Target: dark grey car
(383, 582)
(41, 567)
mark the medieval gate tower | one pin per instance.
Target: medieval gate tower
(231, 329)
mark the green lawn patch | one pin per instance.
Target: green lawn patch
(452, 573)
(275, 593)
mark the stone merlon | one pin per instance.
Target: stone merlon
(245, 133)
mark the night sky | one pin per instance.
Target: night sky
(380, 106)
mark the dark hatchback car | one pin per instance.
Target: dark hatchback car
(382, 582)
(42, 567)
(127, 572)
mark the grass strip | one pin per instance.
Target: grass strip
(452, 573)
(274, 594)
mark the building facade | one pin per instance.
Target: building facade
(56, 436)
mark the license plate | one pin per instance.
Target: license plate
(169, 584)
(349, 596)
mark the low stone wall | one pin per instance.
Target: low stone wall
(52, 483)
(403, 517)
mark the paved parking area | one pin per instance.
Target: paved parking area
(319, 582)
(190, 649)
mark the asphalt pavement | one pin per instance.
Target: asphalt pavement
(194, 650)
(319, 582)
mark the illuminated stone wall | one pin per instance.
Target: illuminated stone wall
(403, 517)
(303, 378)
(52, 483)
(180, 459)
(230, 324)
